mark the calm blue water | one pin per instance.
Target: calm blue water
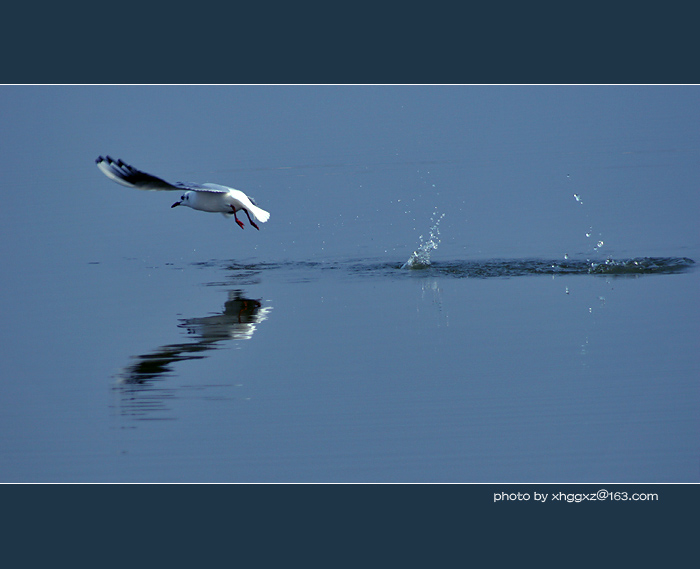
(457, 284)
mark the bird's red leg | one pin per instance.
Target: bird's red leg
(251, 221)
(238, 221)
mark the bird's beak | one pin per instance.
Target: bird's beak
(175, 204)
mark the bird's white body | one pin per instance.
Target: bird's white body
(204, 197)
(222, 200)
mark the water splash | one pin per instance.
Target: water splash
(420, 258)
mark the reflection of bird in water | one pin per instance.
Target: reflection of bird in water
(237, 322)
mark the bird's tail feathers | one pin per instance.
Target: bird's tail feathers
(260, 214)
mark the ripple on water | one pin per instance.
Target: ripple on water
(489, 268)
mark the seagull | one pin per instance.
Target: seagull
(204, 197)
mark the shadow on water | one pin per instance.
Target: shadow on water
(137, 383)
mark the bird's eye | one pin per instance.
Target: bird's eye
(183, 197)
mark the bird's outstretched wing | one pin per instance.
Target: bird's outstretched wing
(130, 177)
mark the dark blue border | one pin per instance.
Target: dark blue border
(385, 525)
(148, 42)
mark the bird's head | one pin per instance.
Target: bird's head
(184, 198)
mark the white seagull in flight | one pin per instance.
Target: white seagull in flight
(204, 197)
